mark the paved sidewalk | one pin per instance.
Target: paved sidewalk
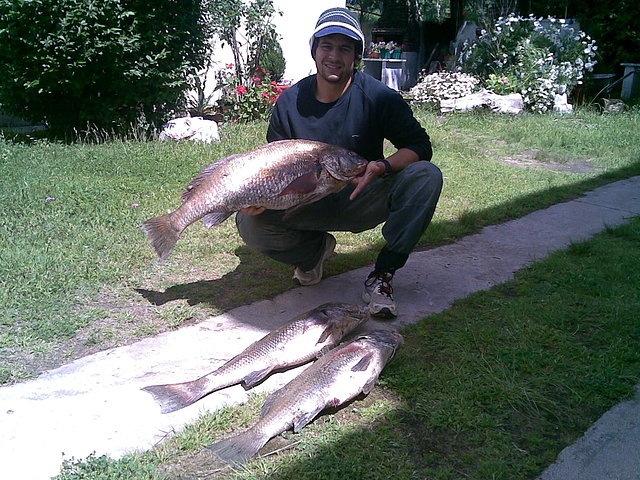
(95, 403)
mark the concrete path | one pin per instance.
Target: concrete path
(95, 403)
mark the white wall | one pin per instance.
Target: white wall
(295, 26)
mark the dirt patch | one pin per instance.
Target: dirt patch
(538, 160)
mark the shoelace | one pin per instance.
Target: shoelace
(383, 287)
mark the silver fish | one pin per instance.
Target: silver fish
(337, 377)
(283, 175)
(295, 343)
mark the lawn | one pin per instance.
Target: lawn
(493, 387)
(78, 275)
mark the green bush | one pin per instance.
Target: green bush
(108, 63)
(538, 57)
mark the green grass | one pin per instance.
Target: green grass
(493, 388)
(77, 274)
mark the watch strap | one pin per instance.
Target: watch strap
(387, 166)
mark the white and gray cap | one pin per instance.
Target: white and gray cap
(338, 20)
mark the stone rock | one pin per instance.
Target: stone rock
(190, 128)
(511, 103)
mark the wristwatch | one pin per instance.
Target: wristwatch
(387, 166)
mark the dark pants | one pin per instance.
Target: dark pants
(405, 201)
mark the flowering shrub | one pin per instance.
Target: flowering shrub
(385, 49)
(246, 101)
(432, 88)
(538, 57)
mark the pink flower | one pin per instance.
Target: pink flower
(241, 89)
(265, 94)
(135, 205)
(256, 79)
(48, 199)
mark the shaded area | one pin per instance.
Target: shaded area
(257, 271)
(494, 387)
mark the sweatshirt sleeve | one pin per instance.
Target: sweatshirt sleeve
(400, 126)
(275, 131)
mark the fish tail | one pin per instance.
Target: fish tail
(162, 235)
(239, 448)
(174, 396)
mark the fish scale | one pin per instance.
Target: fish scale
(282, 175)
(295, 343)
(334, 379)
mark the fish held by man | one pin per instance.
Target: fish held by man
(337, 377)
(295, 343)
(282, 175)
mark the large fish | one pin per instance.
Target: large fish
(337, 377)
(295, 343)
(283, 175)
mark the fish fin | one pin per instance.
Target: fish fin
(305, 419)
(161, 234)
(268, 403)
(305, 183)
(202, 176)
(326, 333)
(363, 364)
(174, 396)
(256, 377)
(196, 182)
(215, 218)
(239, 448)
(366, 389)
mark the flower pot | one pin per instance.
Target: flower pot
(374, 55)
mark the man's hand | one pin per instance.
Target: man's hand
(252, 210)
(373, 171)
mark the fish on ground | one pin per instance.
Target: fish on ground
(337, 377)
(297, 342)
(283, 175)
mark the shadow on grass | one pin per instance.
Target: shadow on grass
(257, 277)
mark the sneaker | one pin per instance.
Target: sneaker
(314, 275)
(378, 293)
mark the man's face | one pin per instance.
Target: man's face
(335, 58)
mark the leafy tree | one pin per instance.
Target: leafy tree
(247, 28)
(107, 63)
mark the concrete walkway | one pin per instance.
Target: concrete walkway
(95, 403)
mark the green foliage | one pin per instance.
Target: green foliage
(502, 84)
(244, 101)
(74, 63)
(105, 468)
(258, 40)
(613, 24)
(541, 57)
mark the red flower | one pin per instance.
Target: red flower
(241, 89)
(256, 79)
(265, 94)
(230, 65)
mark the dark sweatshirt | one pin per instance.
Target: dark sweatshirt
(359, 120)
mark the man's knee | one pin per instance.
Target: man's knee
(421, 178)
